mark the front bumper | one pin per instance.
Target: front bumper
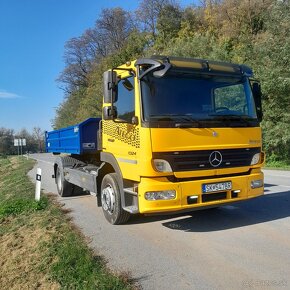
(241, 185)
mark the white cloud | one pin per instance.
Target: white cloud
(8, 95)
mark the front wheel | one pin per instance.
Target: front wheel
(111, 200)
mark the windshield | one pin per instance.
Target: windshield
(200, 101)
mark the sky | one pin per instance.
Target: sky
(32, 38)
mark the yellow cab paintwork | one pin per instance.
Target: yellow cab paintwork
(134, 158)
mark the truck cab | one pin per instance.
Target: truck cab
(176, 135)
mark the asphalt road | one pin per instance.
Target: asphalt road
(244, 245)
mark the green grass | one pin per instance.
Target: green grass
(15, 189)
(39, 246)
(273, 162)
(278, 165)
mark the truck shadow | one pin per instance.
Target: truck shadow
(267, 187)
(263, 209)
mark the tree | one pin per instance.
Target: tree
(82, 57)
(38, 136)
(31, 144)
(253, 32)
(116, 24)
(79, 61)
(168, 23)
(6, 141)
(67, 112)
(272, 61)
(148, 13)
(34, 141)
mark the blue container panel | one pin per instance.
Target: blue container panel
(77, 139)
(63, 140)
(89, 134)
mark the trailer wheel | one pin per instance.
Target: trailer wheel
(111, 200)
(64, 188)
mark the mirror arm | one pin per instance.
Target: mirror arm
(125, 69)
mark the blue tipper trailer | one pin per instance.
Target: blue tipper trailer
(77, 139)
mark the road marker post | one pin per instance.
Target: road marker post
(38, 184)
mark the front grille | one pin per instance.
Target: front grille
(200, 159)
(214, 196)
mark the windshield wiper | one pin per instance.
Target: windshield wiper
(189, 120)
(232, 117)
(184, 121)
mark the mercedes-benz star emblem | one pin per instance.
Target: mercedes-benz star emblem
(215, 158)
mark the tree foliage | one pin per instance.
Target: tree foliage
(34, 141)
(148, 14)
(253, 32)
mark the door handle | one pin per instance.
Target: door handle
(111, 140)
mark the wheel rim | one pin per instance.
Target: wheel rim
(58, 181)
(108, 199)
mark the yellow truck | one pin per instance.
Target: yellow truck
(176, 135)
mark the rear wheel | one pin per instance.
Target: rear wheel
(64, 188)
(111, 200)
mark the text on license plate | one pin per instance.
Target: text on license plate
(213, 187)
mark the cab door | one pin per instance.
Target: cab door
(121, 136)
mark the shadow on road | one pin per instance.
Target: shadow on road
(267, 187)
(266, 208)
(271, 206)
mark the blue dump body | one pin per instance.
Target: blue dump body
(78, 139)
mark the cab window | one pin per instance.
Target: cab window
(126, 99)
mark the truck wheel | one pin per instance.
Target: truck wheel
(64, 188)
(111, 200)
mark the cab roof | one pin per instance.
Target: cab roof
(195, 65)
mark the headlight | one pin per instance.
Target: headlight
(162, 165)
(160, 195)
(256, 183)
(255, 159)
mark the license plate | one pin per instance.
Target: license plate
(214, 187)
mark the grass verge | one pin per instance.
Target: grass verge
(278, 165)
(39, 247)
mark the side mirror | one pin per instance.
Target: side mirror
(109, 113)
(127, 85)
(110, 87)
(257, 93)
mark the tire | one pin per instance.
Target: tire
(111, 200)
(64, 188)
